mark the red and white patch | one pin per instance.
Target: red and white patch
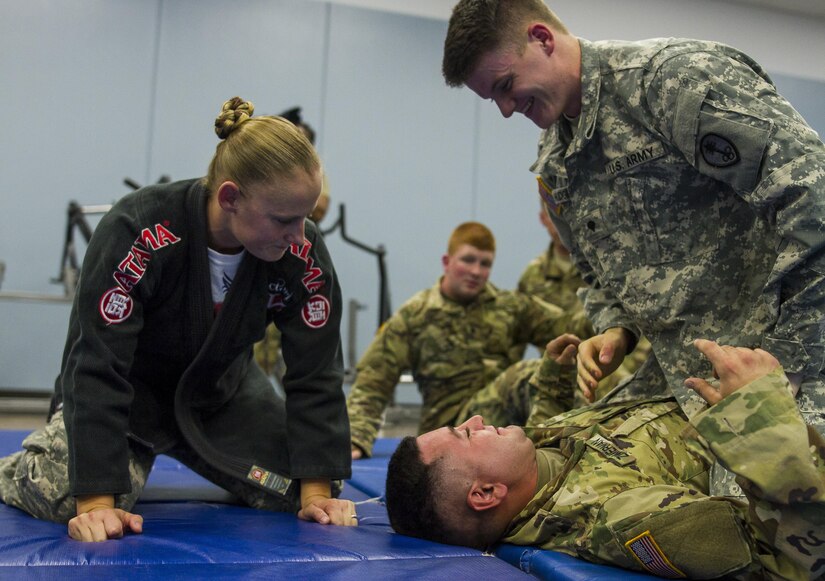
(115, 306)
(316, 311)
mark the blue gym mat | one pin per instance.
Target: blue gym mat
(194, 530)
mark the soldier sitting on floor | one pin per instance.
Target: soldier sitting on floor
(463, 339)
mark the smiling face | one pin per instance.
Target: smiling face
(541, 81)
(497, 454)
(264, 218)
(466, 271)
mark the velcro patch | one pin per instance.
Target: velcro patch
(631, 159)
(718, 151)
(269, 479)
(610, 450)
(650, 556)
(731, 150)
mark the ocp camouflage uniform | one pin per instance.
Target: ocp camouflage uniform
(557, 281)
(35, 478)
(627, 485)
(268, 353)
(690, 194)
(453, 351)
(552, 279)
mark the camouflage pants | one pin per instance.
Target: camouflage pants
(36, 479)
(510, 398)
(269, 356)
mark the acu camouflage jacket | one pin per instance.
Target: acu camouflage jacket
(690, 194)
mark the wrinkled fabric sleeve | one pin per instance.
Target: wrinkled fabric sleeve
(758, 433)
(779, 174)
(540, 322)
(554, 387)
(317, 424)
(94, 381)
(601, 308)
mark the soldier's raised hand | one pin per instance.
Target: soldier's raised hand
(598, 357)
(735, 367)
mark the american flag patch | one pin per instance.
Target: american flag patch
(546, 193)
(651, 557)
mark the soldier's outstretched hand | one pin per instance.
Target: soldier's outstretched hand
(735, 367)
(563, 349)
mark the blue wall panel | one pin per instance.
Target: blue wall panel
(396, 145)
(76, 94)
(97, 90)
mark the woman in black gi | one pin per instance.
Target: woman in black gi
(178, 282)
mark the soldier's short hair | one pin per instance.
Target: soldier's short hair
(410, 492)
(473, 233)
(417, 499)
(479, 26)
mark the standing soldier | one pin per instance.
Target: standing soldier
(689, 192)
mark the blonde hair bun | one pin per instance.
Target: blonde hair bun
(233, 113)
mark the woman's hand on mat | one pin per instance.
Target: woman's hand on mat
(98, 521)
(330, 511)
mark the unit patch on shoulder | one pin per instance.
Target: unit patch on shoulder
(115, 306)
(316, 311)
(650, 556)
(718, 151)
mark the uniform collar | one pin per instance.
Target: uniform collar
(439, 301)
(591, 77)
(553, 149)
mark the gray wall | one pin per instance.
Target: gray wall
(97, 90)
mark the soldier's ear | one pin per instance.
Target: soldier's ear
(541, 33)
(484, 496)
